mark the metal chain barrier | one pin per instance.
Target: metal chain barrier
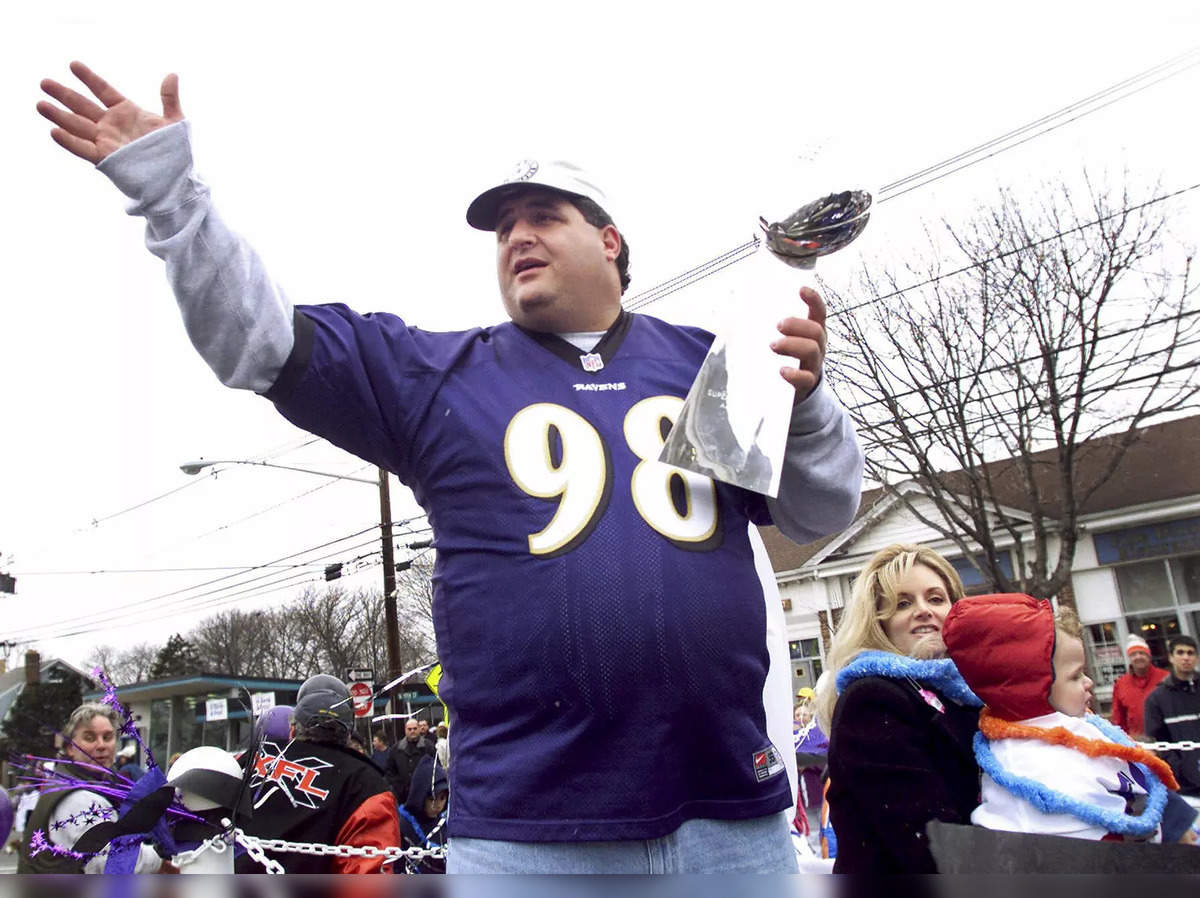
(1184, 745)
(217, 844)
(256, 848)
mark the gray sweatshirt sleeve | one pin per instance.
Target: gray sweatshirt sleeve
(821, 484)
(236, 317)
(75, 815)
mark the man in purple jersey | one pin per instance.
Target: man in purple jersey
(584, 593)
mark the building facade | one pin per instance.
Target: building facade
(1136, 567)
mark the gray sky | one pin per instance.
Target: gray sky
(346, 145)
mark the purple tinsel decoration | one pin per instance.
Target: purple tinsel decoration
(128, 727)
(57, 781)
(93, 814)
(38, 843)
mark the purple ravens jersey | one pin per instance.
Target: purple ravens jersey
(599, 617)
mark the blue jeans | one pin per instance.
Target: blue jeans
(760, 845)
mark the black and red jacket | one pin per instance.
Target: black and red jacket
(320, 793)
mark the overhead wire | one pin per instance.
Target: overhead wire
(216, 596)
(999, 415)
(1124, 210)
(255, 514)
(954, 404)
(995, 369)
(891, 190)
(141, 603)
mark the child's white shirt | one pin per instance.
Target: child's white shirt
(1103, 782)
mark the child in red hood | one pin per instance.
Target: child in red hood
(1048, 765)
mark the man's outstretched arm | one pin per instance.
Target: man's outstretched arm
(236, 317)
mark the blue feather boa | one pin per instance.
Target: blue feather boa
(1049, 801)
(939, 674)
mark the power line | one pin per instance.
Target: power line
(1124, 210)
(953, 404)
(891, 190)
(707, 269)
(255, 514)
(701, 271)
(215, 596)
(162, 570)
(176, 592)
(994, 417)
(995, 369)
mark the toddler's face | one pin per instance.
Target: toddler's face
(1072, 690)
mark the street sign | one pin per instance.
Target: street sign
(261, 702)
(360, 695)
(360, 675)
(216, 709)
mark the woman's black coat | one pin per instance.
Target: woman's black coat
(895, 763)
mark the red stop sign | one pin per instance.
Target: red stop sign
(360, 695)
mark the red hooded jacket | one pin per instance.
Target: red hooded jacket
(1003, 645)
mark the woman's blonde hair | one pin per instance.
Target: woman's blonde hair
(872, 601)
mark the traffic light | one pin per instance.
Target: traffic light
(8, 583)
(333, 571)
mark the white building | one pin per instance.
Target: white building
(1136, 567)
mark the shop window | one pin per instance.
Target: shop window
(1156, 629)
(973, 581)
(1186, 575)
(1105, 652)
(804, 648)
(806, 662)
(1144, 586)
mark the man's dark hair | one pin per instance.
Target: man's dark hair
(323, 732)
(1179, 640)
(598, 218)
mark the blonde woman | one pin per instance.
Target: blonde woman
(901, 718)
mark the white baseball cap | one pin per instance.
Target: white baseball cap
(557, 175)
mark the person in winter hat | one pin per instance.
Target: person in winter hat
(422, 818)
(1048, 765)
(1131, 688)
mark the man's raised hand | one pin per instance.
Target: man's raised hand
(92, 131)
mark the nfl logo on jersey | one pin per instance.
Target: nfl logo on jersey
(591, 362)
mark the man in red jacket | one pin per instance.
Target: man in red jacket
(1130, 691)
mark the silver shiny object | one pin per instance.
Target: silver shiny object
(818, 228)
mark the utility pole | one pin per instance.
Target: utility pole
(389, 583)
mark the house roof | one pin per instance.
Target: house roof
(12, 682)
(197, 684)
(1160, 465)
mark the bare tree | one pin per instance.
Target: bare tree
(1009, 384)
(414, 594)
(416, 644)
(124, 666)
(327, 620)
(234, 642)
(323, 630)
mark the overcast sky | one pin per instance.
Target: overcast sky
(347, 144)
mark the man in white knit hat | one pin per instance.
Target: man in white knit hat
(1130, 691)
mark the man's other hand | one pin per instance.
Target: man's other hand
(804, 340)
(92, 131)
